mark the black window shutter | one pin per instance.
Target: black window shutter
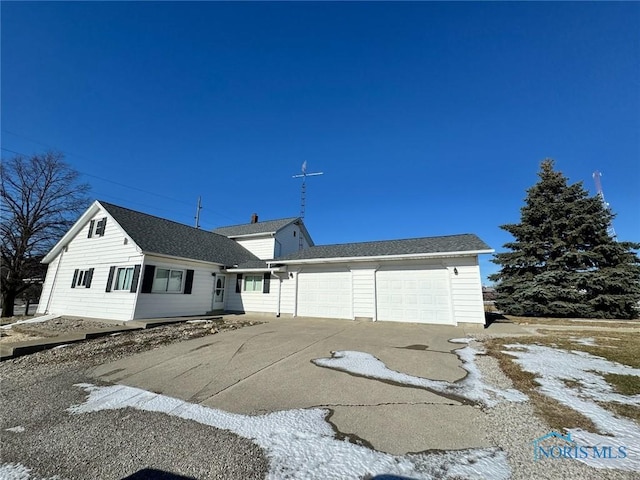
(89, 278)
(91, 224)
(101, 227)
(188, 282)
(134, 280)
(266, 283)
(75, 277)
(112, 271)
(147, 278)
(239, 283)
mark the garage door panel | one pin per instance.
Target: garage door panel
(413, 296)
(324, 294)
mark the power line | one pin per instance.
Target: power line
(106, 179)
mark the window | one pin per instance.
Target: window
(82, 278)
(253, 283)
(166, 280)
(123, 278)
(96, 229)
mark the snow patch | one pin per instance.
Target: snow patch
(40, 319)
(301, 444)
(18, 429)
(471, 387)
(17, 471)
(554, 367)
(589, 341)
(62, 345)
(199, 321)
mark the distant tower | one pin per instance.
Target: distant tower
(303, 193)
(596, 179)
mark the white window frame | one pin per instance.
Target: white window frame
(251, 282)
(155, 289)
(127, 285)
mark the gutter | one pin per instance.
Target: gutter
(411, 256)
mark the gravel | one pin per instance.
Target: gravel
(37, 389)
(514, 426)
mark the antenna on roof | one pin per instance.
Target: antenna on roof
(303, 193)
(198, 208)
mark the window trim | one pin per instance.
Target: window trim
(255, 281)
(126, 287)
(170, 270)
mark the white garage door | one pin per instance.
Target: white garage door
(324, 294)
(413, 296)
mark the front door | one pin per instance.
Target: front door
(218, 292)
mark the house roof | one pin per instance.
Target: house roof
(165, 237)
(270, 226)
(428, 246)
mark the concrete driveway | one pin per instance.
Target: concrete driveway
(267, 367)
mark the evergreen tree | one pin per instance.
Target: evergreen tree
(563, 262)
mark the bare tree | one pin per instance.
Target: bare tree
(41, 198)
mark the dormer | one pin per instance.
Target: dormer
(270, 239)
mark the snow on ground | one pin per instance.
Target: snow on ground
(18, 429)
(301, 444)
(17, 471)
(554, 367)
(471, 387)
(40, 319)
(589, 341)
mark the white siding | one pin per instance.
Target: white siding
(256, 302)
(261, 247)
(466, 290)
(363, 288)
(289, 243)
(47, 285)
(288, 295)
(99, 253)
(199, 302)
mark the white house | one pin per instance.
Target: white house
(120, 264)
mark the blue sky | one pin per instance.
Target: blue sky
(426, 118)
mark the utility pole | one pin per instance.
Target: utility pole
(198, 208)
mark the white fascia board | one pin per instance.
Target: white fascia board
(256, 270)
(250, 235)
(412, 256)
(72, 232)
(182, 259)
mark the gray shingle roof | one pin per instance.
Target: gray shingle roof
(429, 245)
(270, 226)
(164, 237)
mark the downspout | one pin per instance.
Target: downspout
(279, 292)
(375, 294)
(55, 278)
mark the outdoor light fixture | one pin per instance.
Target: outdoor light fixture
(455, 271)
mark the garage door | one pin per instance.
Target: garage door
(324, 294)
(413, 296)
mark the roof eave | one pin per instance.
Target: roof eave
(255, 270)
(72, 232)
(411, 256)
(249, 235)
(173, 257)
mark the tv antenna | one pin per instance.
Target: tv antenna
(303, 194)
(303, 191)
(596, 178)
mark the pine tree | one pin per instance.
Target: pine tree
(563, 262)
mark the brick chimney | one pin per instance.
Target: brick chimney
(254, 218)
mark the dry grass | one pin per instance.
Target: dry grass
(573, 322)
(621, 347)
(623, 384)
